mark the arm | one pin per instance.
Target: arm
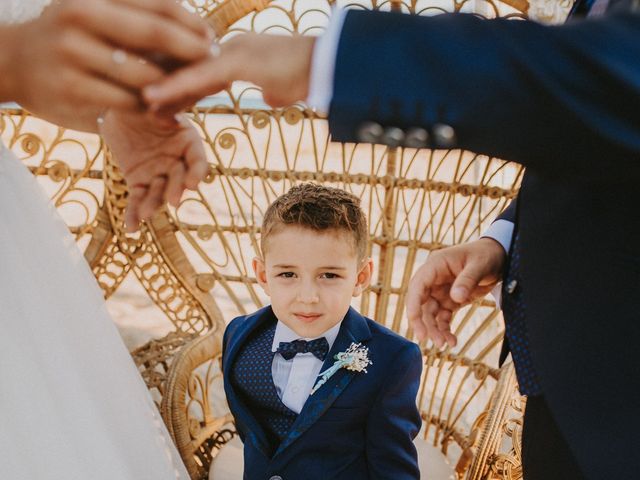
(556, 99)
(394, 420)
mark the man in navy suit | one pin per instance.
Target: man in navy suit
(565, 102)
(360, 421)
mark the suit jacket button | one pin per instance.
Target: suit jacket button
(276, 477)
(444, 136)
(511, 286)
(416, 138)
(393, 136)
(370, 132)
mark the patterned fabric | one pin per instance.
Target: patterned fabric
(516, 326)
(319, 347)
(251, 375)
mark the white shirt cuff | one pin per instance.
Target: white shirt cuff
(323, 63)
(501, 231)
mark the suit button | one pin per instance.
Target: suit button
(370, 132)
(511, 286)
(276, 477)
(444, 136)
(416, 138)
(393, 136)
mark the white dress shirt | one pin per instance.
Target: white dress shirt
(501, 231)
(323, 63)
(295, 378)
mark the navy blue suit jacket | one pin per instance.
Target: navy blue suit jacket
(357, 426)
(565, 102)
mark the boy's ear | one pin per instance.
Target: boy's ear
(261, 273)
(364, 277)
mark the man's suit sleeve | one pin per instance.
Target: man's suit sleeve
(394, 421)
(563, 100)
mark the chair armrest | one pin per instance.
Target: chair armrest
(497, 454)
(194, 407)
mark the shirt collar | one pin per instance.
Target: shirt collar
(285, 334)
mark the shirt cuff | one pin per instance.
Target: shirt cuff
(502, 232)
(323, 63)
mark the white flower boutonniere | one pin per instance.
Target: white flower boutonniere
(355, 358)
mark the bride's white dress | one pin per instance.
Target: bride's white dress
(72, 404)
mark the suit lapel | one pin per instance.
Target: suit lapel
(354, 329)
(242, 413)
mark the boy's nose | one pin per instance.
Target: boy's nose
(307, 293)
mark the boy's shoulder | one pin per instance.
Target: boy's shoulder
(238, 323)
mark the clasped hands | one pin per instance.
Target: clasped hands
(128, 69)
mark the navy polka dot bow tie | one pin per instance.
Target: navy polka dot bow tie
(319, 347)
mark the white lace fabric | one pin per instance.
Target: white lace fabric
(20, 11)
(72, 403)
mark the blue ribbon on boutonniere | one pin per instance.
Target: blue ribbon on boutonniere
(355, 358)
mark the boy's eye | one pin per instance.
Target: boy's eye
(330, 275)
(286, 275)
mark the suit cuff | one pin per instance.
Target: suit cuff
(323, 63)
(502, 232)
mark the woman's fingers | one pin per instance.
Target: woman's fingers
(175, 184)
(195, 160)
(154, 198)
(138, 29)
(124, 68)
(132, 218)
(91, 91)
(172, 10)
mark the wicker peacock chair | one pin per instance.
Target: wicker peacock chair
(194, 261)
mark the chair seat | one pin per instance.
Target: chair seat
(228, 464)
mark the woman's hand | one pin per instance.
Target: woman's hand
(159, 160)
(89, 55)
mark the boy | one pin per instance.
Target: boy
(358, 420)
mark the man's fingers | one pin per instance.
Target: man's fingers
(443, 322)
(442, 293)
(196, 81)
(467, 281)
(418, 292)
(428, 318)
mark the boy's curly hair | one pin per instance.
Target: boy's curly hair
(319, 208)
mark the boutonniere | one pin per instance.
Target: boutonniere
(355, 358)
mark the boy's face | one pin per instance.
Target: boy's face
(311, 277)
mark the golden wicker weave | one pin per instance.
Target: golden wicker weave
(194, 261)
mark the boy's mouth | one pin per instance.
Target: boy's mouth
(307, 317)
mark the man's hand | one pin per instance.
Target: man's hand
(159, 160)
(449, 279)
(279, 65)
